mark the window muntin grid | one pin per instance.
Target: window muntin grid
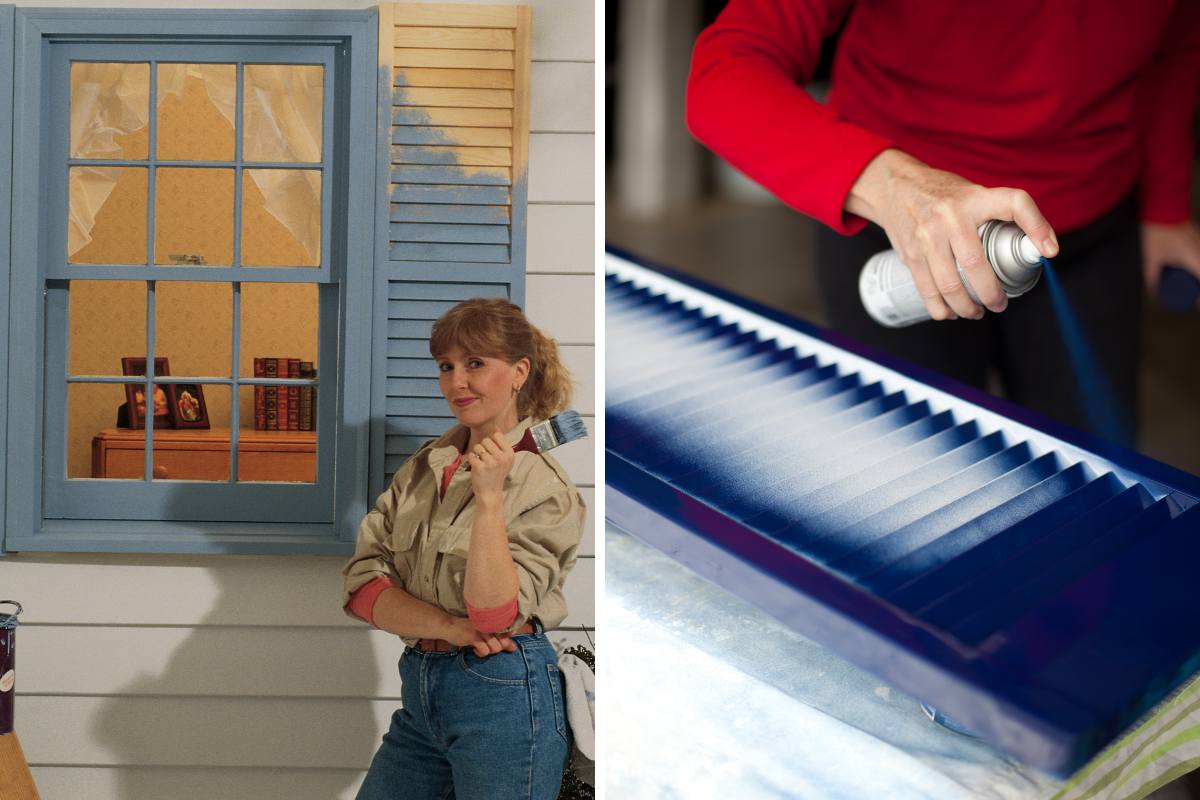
(314, 168)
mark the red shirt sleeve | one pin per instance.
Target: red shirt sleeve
(493, 620)
(1173, 85)
(746, 102)
(362, 602)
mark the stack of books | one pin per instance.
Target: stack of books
(284, 408)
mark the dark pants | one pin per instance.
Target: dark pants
(1099, 269)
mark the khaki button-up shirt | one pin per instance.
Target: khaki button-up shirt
(420, 541)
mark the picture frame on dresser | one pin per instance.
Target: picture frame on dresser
(133, 413)
(188, 408)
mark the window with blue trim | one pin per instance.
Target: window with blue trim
(207, 186)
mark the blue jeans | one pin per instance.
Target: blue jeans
(475, 728)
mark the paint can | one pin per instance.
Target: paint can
(890, 296)
(8, 661)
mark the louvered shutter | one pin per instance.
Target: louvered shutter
(457, 143)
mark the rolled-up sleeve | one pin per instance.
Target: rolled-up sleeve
(373, 555)
(543, 540)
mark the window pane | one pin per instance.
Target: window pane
(279, 321)
(194, 326)
(283, 105)
(193, 216)
(287, 456)
(94, 444)
(108, 323)
(196, 106)
(281, 218)
(107, 215)
(198, 446)
(109, 110)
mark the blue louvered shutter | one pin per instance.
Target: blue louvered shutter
(453, 202)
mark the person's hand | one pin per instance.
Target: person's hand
(932, 219)
(490, 461)
(463, 634)
(1178, 245)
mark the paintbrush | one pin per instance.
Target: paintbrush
(566, 427)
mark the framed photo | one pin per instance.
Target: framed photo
(134, 415)
(188, 409)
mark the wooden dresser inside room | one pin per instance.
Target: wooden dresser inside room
(203, 455)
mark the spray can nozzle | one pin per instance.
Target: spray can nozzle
(1029, 250)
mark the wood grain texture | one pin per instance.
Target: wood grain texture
(449, 154)
(521, 75)
(453, 98)
(455, 15)
(453, 136)
(461, 78)
(444, 212)
(462, 117)
(463, 38)
(16, 781)
(457, 59)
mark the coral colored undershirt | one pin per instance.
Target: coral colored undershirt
(485, 620)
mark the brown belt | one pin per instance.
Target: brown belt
(442, 646)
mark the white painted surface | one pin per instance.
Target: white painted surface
(194, 677)
(562, 97)
(562, 239)
(561, 168)
(555, 303)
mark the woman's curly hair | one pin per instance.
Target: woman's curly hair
(498, 329)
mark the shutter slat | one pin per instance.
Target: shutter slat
(482, 195)
(470, 253)
(448, 136)
(449, 234)
(454, 78)
(448, 154)
(422, 212)
(452, 98)
(463, 38)
(474, 176)
(457, 59)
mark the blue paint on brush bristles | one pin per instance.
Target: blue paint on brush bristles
(1091, 385)
(568, 426)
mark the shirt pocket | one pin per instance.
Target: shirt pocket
(405, 535)
(453, 543)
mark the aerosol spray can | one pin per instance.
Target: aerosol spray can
(891, 298)
(8, 659)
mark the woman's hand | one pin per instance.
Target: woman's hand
(932, 219)
(463, 634)
(490, 461)
(1178, 245)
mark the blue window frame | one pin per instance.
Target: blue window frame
(55, 512)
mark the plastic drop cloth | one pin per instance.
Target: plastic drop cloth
(283, 110)
(711, 697)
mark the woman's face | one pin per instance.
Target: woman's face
(479, 388)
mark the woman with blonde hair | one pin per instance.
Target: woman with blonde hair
(464, 557)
